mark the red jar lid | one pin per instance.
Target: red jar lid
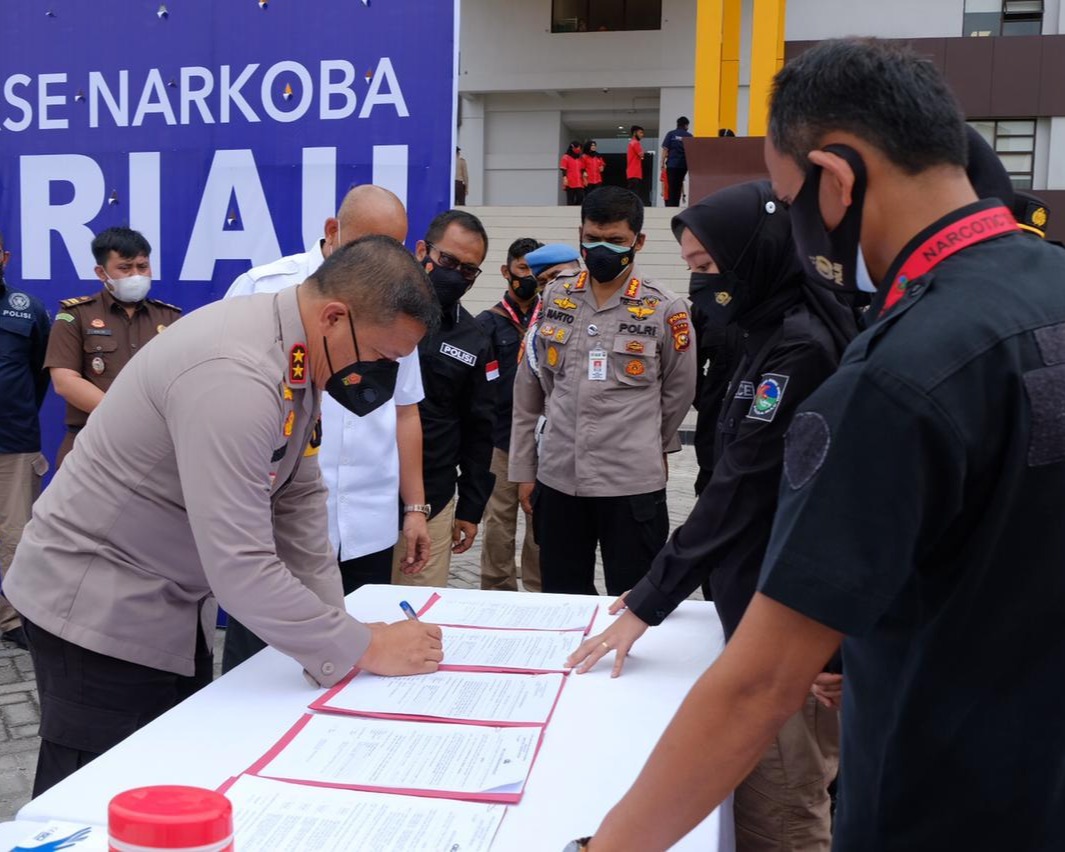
(170, 817)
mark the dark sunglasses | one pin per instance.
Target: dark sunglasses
(449, 261)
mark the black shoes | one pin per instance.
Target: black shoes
(17, 637)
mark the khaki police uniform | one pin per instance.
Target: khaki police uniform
(195, 476)
(94, 337)
(615, 382)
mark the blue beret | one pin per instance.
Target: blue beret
(550, 255)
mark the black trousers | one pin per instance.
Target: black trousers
(574, 195)
(629, 530)
(90, 702)
(241, 643)
(675, 183)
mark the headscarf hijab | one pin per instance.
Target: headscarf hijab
(748, 234)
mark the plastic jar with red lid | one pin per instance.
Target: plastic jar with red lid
(171, 818)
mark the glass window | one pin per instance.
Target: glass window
(1014, 142)
(578, 16)
(1002, 17)
(981, 24)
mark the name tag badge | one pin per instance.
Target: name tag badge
(597, 365)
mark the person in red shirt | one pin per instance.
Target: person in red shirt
(634, 160)
(593, 166)
(573, 176)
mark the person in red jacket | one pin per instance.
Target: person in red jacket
(593, 166)
(573, 176)
(634, 160)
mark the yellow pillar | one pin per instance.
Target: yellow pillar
(767, 57)
(708, 39)
(730, 65)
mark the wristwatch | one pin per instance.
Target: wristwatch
(578, 845)
(424, 508)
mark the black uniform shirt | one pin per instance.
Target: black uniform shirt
(459, 374)
(24, 327)
(506, 336)
(779, 365)
(921, 515)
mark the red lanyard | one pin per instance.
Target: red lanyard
(980, 226)
(511, 312)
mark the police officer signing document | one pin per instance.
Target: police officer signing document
(192, 477)
(616, 361)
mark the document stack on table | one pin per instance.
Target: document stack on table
(441, 752)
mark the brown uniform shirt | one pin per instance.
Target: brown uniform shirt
(94, 337)
(196, 474)
(615, 384)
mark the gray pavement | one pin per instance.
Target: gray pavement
(20, 710)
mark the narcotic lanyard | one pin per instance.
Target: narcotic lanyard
(976, 228)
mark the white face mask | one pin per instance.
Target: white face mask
(131, 289)
(861, 273)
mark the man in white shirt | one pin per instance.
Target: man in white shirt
(367, 462)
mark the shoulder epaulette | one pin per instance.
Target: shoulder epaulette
(164, 304)
(77, 300)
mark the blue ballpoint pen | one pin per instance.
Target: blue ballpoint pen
(408, 610)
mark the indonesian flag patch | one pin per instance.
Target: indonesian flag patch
(491, 370)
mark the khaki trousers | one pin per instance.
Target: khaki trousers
(783, 805)
(498, 569)
(438, 567)
(20, 485)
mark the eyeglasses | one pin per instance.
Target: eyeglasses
(449, 261)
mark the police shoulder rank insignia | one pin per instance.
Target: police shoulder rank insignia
(579, 284)
(767, 397)
(565, 303)
(552, 356)
(63, 315)
(297, 365)
(634, 367)
(632, 290)
(640, 312)
(77, 300)
(286, 394)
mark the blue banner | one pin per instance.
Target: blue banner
(226, 131)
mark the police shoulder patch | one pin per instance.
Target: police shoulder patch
(805, 448)
(767, 397)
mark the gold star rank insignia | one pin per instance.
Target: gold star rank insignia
(297, 365)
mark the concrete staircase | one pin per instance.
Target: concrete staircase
(659, 259)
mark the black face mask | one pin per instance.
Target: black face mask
(524, 288)
(832, 258)
(604, 261)
(718, 297)
(362, 386)
(449, 284)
